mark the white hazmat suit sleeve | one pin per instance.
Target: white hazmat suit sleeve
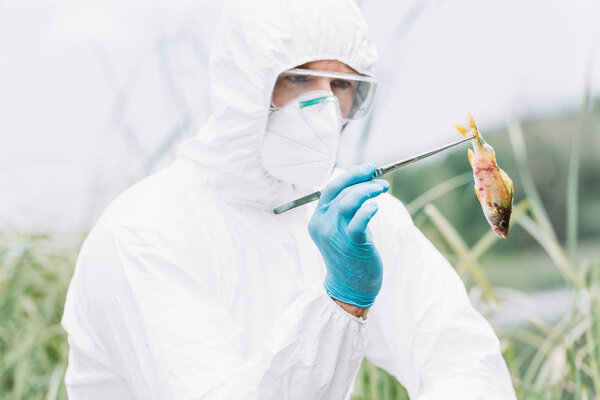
(162, 335)
(423, 328)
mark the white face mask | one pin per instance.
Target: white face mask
(301, 140)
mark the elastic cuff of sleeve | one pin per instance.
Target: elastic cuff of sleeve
(360, 301)
(338, 310)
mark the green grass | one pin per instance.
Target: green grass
(34, 273)
(374, 383)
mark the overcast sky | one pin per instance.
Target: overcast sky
(93, 93)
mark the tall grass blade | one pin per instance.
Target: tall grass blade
(554, 250)
(455, 241)
(54, 384)
(544, 351)
(573, 175)
(515, 134)
(438, 191)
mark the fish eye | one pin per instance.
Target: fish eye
(503, 224)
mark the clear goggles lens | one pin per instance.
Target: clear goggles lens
(354, 92)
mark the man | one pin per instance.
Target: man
(190, 287)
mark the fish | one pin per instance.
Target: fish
(493, 186)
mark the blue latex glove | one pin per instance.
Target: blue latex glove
(339, 229)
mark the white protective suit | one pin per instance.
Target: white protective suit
(189, 287)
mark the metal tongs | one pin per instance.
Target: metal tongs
(386, 169)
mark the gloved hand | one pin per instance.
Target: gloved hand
(339, 229)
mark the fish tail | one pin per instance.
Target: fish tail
(477, 192)
(471, 122)
(473, 127)
(468, 128)
(461, 130)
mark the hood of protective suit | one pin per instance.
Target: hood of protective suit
(257, 40)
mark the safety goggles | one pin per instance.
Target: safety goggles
(354, 92)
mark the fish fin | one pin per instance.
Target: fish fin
(477, 193)
(471, 122)
(470, 155)
(474, 129)
(490, 151)
(468, 128)
(507, 181)
(461, 130)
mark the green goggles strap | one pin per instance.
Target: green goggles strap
(311, 102)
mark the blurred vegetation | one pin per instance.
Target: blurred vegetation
(553, 242)
(35, 271)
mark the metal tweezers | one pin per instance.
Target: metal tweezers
(386, 169)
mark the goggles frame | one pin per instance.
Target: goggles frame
(363, 97)
(331, 74)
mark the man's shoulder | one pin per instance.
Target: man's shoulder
(164, 216)
(169, 198)
(168, 210)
